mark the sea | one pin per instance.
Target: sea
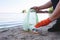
(15, 19)
(11, 19)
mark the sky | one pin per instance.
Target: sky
(17, 6)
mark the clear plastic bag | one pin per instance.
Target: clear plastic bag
(30, 20)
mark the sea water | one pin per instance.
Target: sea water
(11, 19)
(15, 19)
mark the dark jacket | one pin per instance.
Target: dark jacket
(54, 3)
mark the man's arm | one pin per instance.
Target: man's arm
(56, 13)
(47, 5)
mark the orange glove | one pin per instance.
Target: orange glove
(43, 23)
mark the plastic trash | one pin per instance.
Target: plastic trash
(30, 20)
(41, 31)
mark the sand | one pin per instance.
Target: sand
(16, 33)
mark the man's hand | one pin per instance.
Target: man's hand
(43, 23)
(39, 10)
(36, 8)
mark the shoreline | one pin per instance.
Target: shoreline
(16, 33)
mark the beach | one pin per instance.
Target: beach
(13, 30)
(17, 33)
